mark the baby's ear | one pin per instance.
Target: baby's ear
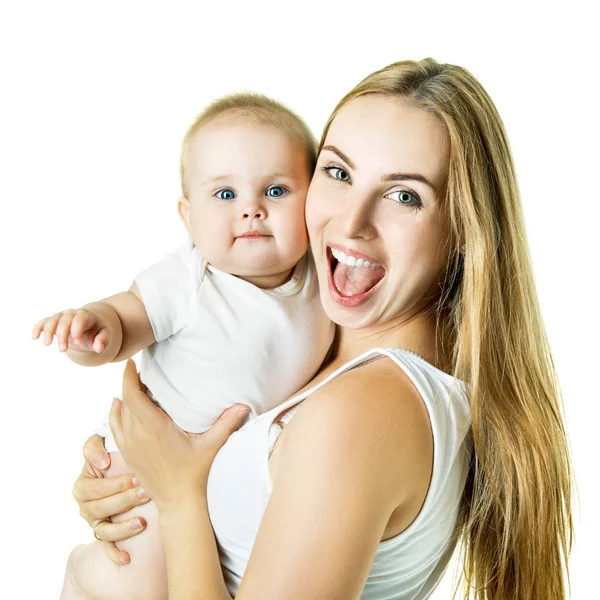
(183, 208)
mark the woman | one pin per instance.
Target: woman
(372, 482)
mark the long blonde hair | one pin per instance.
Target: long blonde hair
(517, 528)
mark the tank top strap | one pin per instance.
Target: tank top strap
(395, 354)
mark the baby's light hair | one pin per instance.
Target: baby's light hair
(259, 109)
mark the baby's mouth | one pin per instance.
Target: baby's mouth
(351, 281)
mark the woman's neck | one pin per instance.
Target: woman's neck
(416, 333)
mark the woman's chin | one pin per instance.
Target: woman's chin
(350, 318)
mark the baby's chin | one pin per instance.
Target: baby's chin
(255, 266)
(249, 271)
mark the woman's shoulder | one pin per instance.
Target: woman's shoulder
(371, 416)
(372, 390)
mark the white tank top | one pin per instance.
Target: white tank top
(407, 566)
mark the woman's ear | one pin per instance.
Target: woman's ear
(183, 208)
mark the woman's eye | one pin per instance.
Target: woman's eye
(225, 195)
(338, 173)
(406, 197)
(276, 191)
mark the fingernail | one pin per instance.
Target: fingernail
(63, 347)
(242, 412)
(135, 481)
(135, 524)
(141, 492)
(124, 559)
(101, 461)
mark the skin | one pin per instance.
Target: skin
(333, 442)
(232, 188)
(355, 208)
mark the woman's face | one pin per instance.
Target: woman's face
(377, 196)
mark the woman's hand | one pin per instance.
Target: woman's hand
(100, 497)
(171, 464)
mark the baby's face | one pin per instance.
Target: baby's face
(247, 186)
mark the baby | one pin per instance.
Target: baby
(231, 316)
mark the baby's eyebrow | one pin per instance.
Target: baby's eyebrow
(270, 176)
(216, 179)
(281, 174)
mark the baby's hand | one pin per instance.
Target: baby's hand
(79, 329)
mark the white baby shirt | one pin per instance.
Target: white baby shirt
(221, 340)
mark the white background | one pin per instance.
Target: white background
(96, 97)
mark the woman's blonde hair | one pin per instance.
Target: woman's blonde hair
(517, 528)
(256, 108)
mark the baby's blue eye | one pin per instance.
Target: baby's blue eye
(226, 195)
(276, 191)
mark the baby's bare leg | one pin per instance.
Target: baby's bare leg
(91, 575)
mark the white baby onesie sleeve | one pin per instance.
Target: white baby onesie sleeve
(166, 289)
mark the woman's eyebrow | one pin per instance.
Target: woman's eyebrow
(340, 154)
(389, 176)
(405, 176)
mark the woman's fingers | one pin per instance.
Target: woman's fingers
(95, 453)
(115, 422)
(120, 557)
(97, 510)
(116, 532)
(94, 488)
(131, 379)
(110, 533)
(230, 420)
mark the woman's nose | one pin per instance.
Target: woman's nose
(357, 219)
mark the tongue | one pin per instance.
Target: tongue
(352, 281)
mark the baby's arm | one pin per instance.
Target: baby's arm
(110, 330)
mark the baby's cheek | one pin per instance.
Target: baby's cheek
(297, 238)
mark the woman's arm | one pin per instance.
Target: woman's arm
(192, 558)
(360, 448)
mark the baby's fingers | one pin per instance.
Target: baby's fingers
(82, 322)
(38, 328)
(63, 328)
(48, 326)
(101, 341)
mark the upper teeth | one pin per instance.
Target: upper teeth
(351, 261)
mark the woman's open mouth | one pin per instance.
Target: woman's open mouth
(351, 284)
